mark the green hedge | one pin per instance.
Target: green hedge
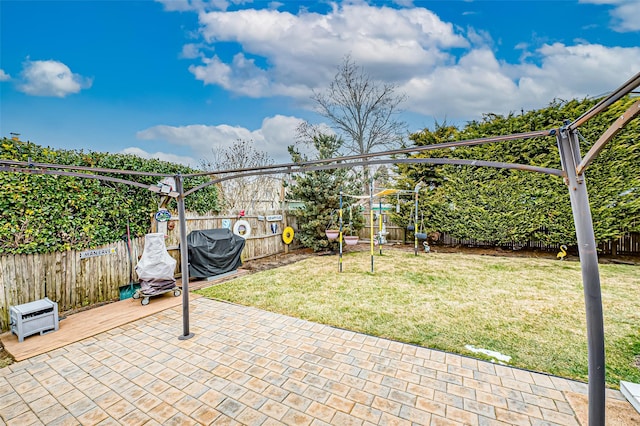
(502, 206)
(46, 213)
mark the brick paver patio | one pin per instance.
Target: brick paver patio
(252, 367)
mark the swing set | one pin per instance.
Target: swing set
(379, 238)
(333, 234)
(418, 225)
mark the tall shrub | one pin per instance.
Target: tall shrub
(319, 191)
(502, 206)
(47, 213)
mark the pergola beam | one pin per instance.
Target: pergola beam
(44, 171)
(613, 130)
(389, 153)
(304, 168)
(605, 103)
(31, 164)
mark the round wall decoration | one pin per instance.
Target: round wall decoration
(287, 235)
(242, 228)
(163, 215)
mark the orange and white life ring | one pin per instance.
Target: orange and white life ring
(242, 228)
(287, 235)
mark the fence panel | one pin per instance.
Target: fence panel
(62, 277)
(395, 233)
(261, 242)
(74, 283)
(628, 244)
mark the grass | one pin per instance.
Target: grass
(530, 309)
(5, 358)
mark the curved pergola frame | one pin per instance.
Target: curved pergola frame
(573, 168)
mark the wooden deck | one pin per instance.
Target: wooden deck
(88, 323)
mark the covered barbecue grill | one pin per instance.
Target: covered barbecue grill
(214, 252)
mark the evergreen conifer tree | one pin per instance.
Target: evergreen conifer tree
(319, 191)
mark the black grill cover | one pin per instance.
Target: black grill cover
(214, 252)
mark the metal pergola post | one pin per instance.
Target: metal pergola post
(184, 259)
(568, 145)
(415, 225)
(340, 235)
(380, 224)
(371, 242)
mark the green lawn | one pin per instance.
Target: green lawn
(529, 309)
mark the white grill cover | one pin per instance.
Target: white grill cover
(155, 265)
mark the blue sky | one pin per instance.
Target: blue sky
(176, 79)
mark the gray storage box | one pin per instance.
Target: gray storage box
(30, 318)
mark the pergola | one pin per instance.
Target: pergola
(573, 164)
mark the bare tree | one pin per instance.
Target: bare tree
(248, 193)
(363, 110)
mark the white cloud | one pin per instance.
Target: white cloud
(285, 54)
(163, 156)
(242, 76)
(51, 78)
(404, 3)
(624, 13)
(479, 83)
(474, 85)
(4, 76)
(200, 5)
(479, 37)
(190, 51)
(301, 51)
(274, 136)
(626, 16)
(192, 5)
(568, 72)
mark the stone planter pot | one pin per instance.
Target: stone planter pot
(332, 234)
(351, 240)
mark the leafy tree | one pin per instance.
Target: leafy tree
(501, 206)
(362, 109)
(47, 213)
(320, 193)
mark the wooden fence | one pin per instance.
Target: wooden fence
(261, 243)
(64, 277)
(627, 245)
(74, 283)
